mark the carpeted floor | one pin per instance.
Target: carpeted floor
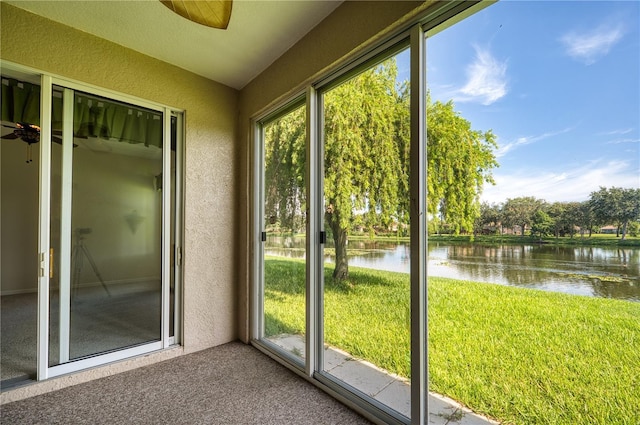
(230, 384)
(99, 323)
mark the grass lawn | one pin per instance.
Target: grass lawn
(518, 355)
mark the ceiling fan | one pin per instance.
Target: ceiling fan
(212, 13)
(28, 133)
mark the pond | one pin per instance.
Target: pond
(606, 272)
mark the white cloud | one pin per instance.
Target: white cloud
(521, 141)
(589, 47)
(570, 185)
(486, 80)
(620, 141)
(616, 132)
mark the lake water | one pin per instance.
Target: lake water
(592, 271)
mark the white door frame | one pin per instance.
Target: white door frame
(44, 371)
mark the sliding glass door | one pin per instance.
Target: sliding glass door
(366, 296)
(283, 231)
(20, 162)
(106, 226)
(91, 226)
(333, 227)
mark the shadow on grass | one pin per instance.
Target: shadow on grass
(274, 326)
(289, 276)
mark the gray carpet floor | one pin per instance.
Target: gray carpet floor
(99, 323)
(229, 384)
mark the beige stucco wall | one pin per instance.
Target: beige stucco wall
(211, 157)
(351, 29)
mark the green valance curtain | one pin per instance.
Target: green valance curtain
(93, 116)
(20, 102)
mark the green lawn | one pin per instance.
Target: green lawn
(521, 356)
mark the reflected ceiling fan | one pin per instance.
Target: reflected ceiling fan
(212, 13)
(28, 133)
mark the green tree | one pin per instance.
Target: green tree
(566, 216)
(459, 162)
(542, 224)
(617, 206)
(520, 211)
(284, 171)
(366, 161)
(489, 219)
(363, 167)
(557, 212)
(585, 218)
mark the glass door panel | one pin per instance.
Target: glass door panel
(19, 228)
(106, 231)
(284, 239)
(366, 256)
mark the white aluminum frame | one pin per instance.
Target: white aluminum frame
(257, 220)
(435, 19)
(178, 227)
(47, 81)
(44, 231)
(65, 223)
(418, 230)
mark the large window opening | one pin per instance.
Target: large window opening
(529, 196)
(534, 313)
(366, 297)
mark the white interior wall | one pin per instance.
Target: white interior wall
(107, 189)
(19, 219)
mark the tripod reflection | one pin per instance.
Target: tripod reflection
(79, 253)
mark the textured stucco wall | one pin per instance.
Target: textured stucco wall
(351, 28)
(211, 157)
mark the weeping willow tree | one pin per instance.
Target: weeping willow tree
(284, 156)
(366, 161)
(459, 162)
(363, 167)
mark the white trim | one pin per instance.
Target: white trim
(103, 359)
(166, 229)
(44, 228)
(47, 80)
(313, 337)
(178, 229)
(66, 190)
(256, 304)
(418, 230)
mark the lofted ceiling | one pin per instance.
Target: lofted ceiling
(259, 32)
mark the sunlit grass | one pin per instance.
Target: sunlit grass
(519, 355)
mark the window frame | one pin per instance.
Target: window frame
(412, 34)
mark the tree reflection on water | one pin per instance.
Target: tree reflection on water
(606, 272)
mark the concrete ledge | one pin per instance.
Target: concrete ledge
(389, 389)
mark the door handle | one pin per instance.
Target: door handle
(50, 263)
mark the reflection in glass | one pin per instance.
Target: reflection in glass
(19, 224)
(112, 293)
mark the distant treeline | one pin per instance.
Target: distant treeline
(617, 207)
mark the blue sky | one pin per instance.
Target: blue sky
(558, 83)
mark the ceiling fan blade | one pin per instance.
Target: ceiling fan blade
(9, 136)
(212, 13)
